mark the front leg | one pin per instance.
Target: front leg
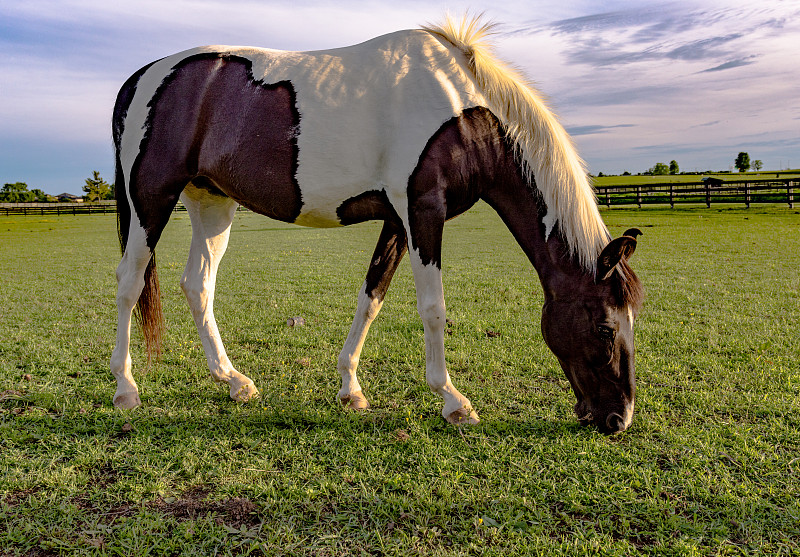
(388, 252)
(426, 265)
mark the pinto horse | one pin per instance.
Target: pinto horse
(411, 128)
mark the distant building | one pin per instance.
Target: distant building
(69, 198)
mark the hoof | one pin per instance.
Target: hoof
(243, 392)
(463, 416)
(127, 401)
(355, 401)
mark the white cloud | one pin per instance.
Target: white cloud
(641, 75)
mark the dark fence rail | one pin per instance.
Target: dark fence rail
(64, 208)
(57, 208)
(704, 192)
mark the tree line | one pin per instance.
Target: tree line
(95, 189)
(742, 163)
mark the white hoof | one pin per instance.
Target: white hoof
(463, 416)
(355, 401)
(243, 391)
(127, 401)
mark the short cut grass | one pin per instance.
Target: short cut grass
(709, 467)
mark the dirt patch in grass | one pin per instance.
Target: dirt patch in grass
(14, 498)
(10, 394)
(36, 552)
(193, 504)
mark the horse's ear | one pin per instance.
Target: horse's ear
(617, 250)
(633, 233)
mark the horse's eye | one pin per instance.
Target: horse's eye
(605, 332)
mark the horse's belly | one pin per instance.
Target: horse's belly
(323, 207)
(318, 218)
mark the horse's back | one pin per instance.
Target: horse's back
(322, 127)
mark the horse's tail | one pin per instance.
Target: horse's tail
(148, 311)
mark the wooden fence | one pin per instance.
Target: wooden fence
(64, 208)
(703, 192)
(57, 208)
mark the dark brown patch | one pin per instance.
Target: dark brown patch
(392, 243)
(389, 251)
(463, 159)
(210, 118)
(370, 205)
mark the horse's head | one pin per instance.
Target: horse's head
(588, 324)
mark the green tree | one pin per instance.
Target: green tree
(660, 169)
(16, 193)
(96, 188)
(673, 167)
(758, 164)
(42, 197)
(742, 162)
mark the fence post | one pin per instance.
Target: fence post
(708, 195)
(672, 196)
(747, 194)
(608, 200)
(789, 194)
(639, 196)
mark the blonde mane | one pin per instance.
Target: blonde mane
(544, 149)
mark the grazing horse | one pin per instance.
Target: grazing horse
(411, 128)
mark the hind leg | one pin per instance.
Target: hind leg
(388, 253)
(130, 282)
(211, 217)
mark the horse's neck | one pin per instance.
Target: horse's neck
(522, 210)
(490, 161)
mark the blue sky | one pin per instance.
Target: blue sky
(635, 82)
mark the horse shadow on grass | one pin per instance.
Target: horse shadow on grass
(330, 421)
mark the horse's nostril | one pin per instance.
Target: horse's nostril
(615, 423)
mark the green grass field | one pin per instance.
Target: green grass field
(711, 465)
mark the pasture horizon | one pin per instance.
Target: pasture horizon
(644, 179)
(709, 466)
